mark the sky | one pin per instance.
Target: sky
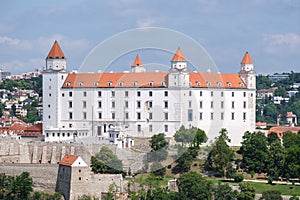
(268, 29)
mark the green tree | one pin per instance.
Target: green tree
(22, 186)
(224, 192)
(247, 191)
(159, 146)
(158, 170)
(193, 136)
(220, 156)
(106, 161)
(186, 156)
(254, 151)
(192, 185)
(271, 195)
(13, 110)
(275, 160)
(289, 139)
(272, 137)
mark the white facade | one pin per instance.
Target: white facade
(87, 107)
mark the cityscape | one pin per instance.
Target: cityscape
(152, 112)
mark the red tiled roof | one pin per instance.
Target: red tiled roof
(260, 124)
(282, 129)
(68, 160)
(178, 56)
(247, 59)
(290, 114)
(56, 51)
(137, 61)
(149, 79)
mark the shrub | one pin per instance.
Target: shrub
(238, 177)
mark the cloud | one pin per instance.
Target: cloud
(9, 42)
(141, 23)
(21, 66)
(288, 43)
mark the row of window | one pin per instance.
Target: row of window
(221, 116)
(64, 134)
(139, 128)
(149, 104)
(150, 93)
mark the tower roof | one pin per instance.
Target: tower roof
(56, 52)
(247, 59)
(68, 160)
(178, 56)
(137, 61)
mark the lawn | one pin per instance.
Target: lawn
(284, 189)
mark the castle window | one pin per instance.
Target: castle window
(232, 104)
(208, 84)
(163, 83)
(79, 178)
(232, 94)
(229, 84)
(138, 104)
(150, 83)
(190, 93)
(113, 115)
(68, 134)
(200, 93)
(166, 116)
(190, 115)
(138, 93)
(80, 83)
(126, 104)
(201, 116)
(47, 134)
(70, 94)
(134, 83)
(49, 117)
(99, 93)
(212, 116)
(113, 104)
(150, 128)
(138, 114)
(95, 83)
(139, 128)
(70, 115)
(222, 116)
(84, 104)
(165, 104)
(121, 83)
(126, 93)
(166, 93)
(201, 104)
(222, 94)
(166, 128)
(211, 93)
(150, 93)
(63, 134)
(219, 84)
(112, 93)
(48, 105)
(79, 170)
(198, 83)
(150, 115)
(63, 94)
(244, 116)
(70, 125)
(211, 104)
(70, 104)
(190, 104)
(222, 104)
(126, 115)
(99, 104)
(99, 115)
(245, 104)
(232, 116)
(244, 94)
(84, 93)
(84, 115)
(109, 83)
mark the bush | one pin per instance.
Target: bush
(270, 180)
(238, 177)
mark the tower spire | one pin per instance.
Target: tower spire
(178, 56)
(56, 52)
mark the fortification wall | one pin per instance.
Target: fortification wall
(43, 175)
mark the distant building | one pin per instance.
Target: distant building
(3, 75)
(279, 99)
(278, 77)
(279, 130)
(292, 93)
(261, 125)
(265, 93)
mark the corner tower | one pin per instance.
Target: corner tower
(178, 73)
(247, 72)
(137, 65)
(56, 59)
(54, 75)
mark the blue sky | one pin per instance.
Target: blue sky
(268, 29)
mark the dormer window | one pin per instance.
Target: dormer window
(242, 84)
(134, 83)
(219, 84)
(109, 83)
(150, 83)
(95, 83)
(208, 84)
(229, 84)
(68, 84)
(163, 83)
(198, 83)
(80, 83)
(121, 83)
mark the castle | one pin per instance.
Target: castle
(141, 103)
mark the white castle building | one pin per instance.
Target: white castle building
(142, 104)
